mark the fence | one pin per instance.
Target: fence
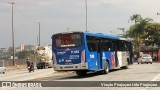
(9, 62)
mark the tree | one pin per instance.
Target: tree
(24, 54)
(136, 31)
(152, 33)
(135, 18)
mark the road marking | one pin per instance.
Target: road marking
(156, 78)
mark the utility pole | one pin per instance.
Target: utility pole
(12, 3)
(123, 30)
(39, 23)
(113, 33)
(86, 16)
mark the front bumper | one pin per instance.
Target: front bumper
(146, 61)
(81, 66)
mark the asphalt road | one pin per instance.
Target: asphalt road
(136, 72)
(24, 75)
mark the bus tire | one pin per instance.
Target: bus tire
(38, 67)
(81, 73)
(106, 70)
(127, 66)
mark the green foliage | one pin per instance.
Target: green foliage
(144, 32)
(135, 18)
(25, 54)
(137, 30)
(4, 55)
(152, 34)
(132, 31)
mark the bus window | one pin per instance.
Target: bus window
(91, 47)
(126, 46)
(67, 40)
(91, 43)
(122, 46)
(107, 45)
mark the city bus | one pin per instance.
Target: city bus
(83, 52)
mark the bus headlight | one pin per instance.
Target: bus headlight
(54, 58)
(83, 56)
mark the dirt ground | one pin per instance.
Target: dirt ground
(16, 68)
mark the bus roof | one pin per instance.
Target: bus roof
(102, 35)
(126, 39)
(94, 34)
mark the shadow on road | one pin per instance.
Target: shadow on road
(73, 75)
(135, 70)
(89, 74)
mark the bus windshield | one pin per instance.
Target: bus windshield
(67, 40)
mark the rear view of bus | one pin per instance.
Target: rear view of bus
(68, 51)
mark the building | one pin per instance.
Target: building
(3, 50)
(21, 48)
(154, 52)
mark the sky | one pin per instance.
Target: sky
(104, 16)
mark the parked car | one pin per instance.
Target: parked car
(2, 69)
(145, 58)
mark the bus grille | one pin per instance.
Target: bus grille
(68, 67)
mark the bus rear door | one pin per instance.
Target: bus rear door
(92, 55)
(92, 61)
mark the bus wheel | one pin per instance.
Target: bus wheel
(81, 73)
(106, 70)
(38, 67)
(125, 67)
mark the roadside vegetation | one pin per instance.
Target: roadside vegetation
(145, 33)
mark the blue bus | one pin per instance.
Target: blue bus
(83, 52)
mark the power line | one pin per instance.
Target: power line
(25, 15)
(32, 20)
